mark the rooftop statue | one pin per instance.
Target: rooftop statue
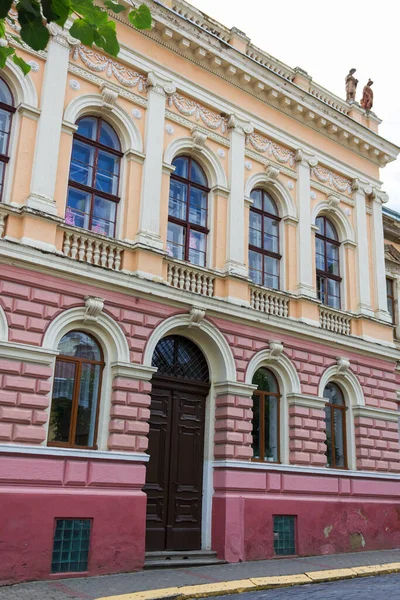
(367, 99)
(351, 86)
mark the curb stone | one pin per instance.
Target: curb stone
(222, 588)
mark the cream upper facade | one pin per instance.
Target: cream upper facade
(197, 166)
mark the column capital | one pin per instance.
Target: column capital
(61, 36)
(158, 84)
(305, 159)
(239, 126)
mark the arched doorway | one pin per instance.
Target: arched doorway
(174, 479)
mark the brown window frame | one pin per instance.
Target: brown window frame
(325, 273)
(75, 398)
(5, 158)
(261, 398)
(185, 222)
(392, 298)
(262, 251)
(343, 409)
(91, 189)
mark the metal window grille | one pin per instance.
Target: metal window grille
(284, 535)
(71, 545)
(177, 356)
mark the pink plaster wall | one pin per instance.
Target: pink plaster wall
(334, 514)
(307, 436)
(36, 490)
(130, 413)
(233, 427)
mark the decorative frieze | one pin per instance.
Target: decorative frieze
(99, 63)
(263, 144)
(173, 116)
(342, 184)
(190, 108)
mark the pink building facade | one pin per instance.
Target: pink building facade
(160, 395)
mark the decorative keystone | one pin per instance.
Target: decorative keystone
(272, 172)
(196, 316)
(109, 96)
(275, 350)
(199, 138)
(343, 365)
(333, 201)
(94, 307)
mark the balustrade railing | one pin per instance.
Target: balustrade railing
(190, 279)
(92, 249)
(334, 320)
(271, 303)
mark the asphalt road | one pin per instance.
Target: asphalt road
(382, 587)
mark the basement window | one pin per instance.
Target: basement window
(284, 535)
(71, 545)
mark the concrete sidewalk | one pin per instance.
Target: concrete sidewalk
(91, 588)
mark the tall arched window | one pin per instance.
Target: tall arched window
(187, 212)
(327, 260)
(264, 257)
(266, 430)
(76, 392)
(7, 110)
(335, 420)
(94, 177)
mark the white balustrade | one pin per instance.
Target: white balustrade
(190, 279)
(269, 302)
(93, 250)
(334, 321)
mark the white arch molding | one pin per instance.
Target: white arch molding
(207, 159)
(3, 326)
(115, 348)
(282, 196)
(93, 104)
(22, 87)
(354, 396)
(338, 218)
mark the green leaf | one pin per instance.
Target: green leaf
(31, 7)
(63, 10)
(5, 6)
(2, 28)
(106, 37)
(141, 17)
(83, 31)
(5, 52)
(114, 6)
(87, 10)
(33, 31)
(48, 11)
(25, 68)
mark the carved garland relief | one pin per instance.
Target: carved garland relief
(190, 108)
(263, 144)
(333, 179)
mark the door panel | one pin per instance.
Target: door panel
(174, 483)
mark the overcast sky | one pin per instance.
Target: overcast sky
(326, 40)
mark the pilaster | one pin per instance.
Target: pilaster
(305, 285)
(45, 164)
(150, 204)
(235, 255)
(378, 253)
(363, 281)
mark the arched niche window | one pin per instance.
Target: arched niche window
(76, 392)
(266, 430)
(335, 420)
(187, 212)
(327, 261)
(7, 110)
(264, 257)
(94, 177)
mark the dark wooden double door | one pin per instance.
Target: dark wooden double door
(174, 481)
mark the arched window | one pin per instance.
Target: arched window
(327, 260)
(94, 177)
(7, 110)
(335, 420)
(187, 212)
(264, 254)
(266, 400)
(76, 392)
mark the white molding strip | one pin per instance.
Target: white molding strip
(27, 353)
(300, 470)
(74, 453)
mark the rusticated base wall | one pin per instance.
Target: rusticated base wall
(36, 490)
(333, 514)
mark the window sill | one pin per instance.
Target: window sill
(73, 453)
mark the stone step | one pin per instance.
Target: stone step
(169, 560)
